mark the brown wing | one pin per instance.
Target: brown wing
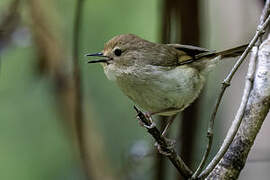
(192, 53)
(189, 50)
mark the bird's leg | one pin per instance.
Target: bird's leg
(170, 142)
(149, 115)
(169, 123)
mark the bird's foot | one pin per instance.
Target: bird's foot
(164, 145)
(151, 126)
(145, 119)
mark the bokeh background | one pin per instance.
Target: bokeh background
(39, 94)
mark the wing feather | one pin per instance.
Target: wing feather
(192, 53)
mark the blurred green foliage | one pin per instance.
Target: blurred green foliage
(34, 142)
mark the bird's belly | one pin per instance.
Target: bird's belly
(162, 91)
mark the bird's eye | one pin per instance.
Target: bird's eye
(118, 52)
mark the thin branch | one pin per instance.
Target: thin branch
(255, 113)
(51, 54)
(265, 12)
(226, 83)
(177, 161)
(79, 121)
(238, 119)
(76, 72)
(205, 155)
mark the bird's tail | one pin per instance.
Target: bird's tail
(206, 65)
(237, 51)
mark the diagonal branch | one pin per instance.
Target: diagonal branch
(177, 161)
(265, 19)
(254, 114)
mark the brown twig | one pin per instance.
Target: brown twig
(79, 120)
(51, 53)
(234, 128)
(77, 76)
(255, 113)
(177, 161)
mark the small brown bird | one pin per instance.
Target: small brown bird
(162, 79)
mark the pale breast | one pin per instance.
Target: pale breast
(158, 89)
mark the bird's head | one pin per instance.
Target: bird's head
(124, 50)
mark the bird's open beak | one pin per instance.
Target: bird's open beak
(100, 54)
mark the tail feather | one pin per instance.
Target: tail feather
(237, 51)
(205, 65)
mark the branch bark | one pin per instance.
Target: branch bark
(264, 22)
(256, 110)
(171, 153)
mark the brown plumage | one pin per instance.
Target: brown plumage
(161, 78)
(168, 54)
